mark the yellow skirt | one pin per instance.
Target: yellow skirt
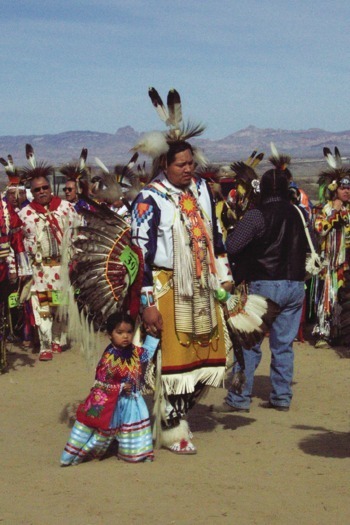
(186, 361)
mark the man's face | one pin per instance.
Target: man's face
(11, 196)
(70, 191)
(22, 196)
(41, 191)
(180, 171)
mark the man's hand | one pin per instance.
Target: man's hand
(152, 320)
(228, 286)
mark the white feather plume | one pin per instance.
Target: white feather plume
(82, 159)
(331, 160)
(30, 155)
(274, 150)
(153, 143)
(101, 165)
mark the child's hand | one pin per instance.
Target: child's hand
(127, 388)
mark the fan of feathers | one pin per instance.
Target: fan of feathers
(104, 264)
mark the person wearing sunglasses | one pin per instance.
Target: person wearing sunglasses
(47, 220)
(70, 191)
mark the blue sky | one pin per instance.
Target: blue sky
(87, 65)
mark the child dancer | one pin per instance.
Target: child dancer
(115, 408)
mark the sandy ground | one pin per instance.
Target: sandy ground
(265, 467)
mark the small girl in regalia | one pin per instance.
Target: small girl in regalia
(115, 408)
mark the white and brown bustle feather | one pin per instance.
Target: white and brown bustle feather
(101, 264)
(249, 317)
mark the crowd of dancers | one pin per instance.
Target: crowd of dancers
(200, 267)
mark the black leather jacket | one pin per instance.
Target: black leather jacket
(280, 253)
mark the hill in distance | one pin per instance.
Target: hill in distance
(304, 146)
(115, 148)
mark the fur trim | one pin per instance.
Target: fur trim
(175, 434)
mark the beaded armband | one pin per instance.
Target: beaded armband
(147, 299)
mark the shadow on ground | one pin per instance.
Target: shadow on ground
(325, 443)
(343, 352)
(201, 419)
(17, 358)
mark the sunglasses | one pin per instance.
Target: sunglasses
(68, 189)
(36, 190)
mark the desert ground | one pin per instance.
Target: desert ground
(265, 467)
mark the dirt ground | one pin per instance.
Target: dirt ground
(265, 467)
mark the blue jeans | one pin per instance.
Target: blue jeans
(289, 295)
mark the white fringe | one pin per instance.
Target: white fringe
(185, 383)
(182, 258)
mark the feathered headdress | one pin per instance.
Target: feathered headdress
(156, 143)
(245, 173)
(246, 182)
(123, 184)
(13, 173)
(129, 180)
(331, 179)
(281, 161)
(77, 171)
(35, 169)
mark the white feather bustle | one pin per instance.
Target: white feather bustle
(174, 435)
(250, 319)
(153, 144)
(256, 304)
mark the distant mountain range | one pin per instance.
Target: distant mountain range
(114, 148)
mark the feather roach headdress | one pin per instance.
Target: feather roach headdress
(156, 143)
(331, 179)
(280, 161)
(275, 182)
(245, 173)
(246, 183)
(35, 169)
(77, 171)
(13, 173)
